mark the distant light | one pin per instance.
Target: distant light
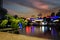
(44, 23)
(39, 20)
(55, 17)
(32, 19)
(55, 20)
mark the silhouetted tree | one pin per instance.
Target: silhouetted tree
(39, 14)
(53, 14)
(3, 12)
(15, 16)
(58, 13)
(44, 18)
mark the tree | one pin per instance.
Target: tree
(39, 14)
(3, 23)
(53, 14)
(3, 12)
(14, 23)
(15, 16)
(58, 13)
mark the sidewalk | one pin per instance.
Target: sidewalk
(8, 36)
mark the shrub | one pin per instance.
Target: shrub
(3, 23)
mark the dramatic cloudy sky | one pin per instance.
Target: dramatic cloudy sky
(30, 6)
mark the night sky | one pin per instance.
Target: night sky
(30, 6)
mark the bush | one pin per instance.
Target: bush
(3, 23)
(14, 23)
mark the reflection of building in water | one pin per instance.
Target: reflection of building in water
(43, 29)
(28, 30)
(32, 29)
(54, 32)
(37, 30)
(40, 29)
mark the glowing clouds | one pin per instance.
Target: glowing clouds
(39, 5)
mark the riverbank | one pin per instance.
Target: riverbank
(9, 36)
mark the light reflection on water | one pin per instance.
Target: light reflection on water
(36, 30)
(28, 30)
(33, 29)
